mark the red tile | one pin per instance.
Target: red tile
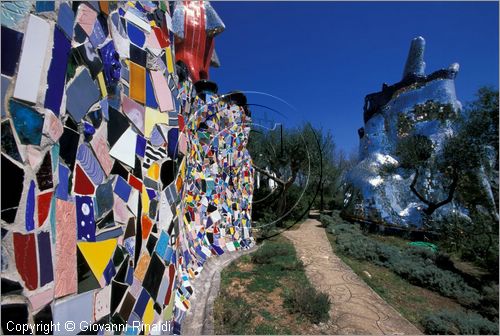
(43, 201)
(26, 261)
(83, 185)
(135, 182)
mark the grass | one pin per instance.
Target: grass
(255, 296)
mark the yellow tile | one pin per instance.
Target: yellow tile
(154, 171)
(152, 118)
(102, 84)
(170, 61)
(137, 82)
(145, 200)
(148, 316)
(98, 254)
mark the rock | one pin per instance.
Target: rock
(368, 275)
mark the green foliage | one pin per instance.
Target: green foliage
(419, 266)
(233, 313)
(458, 323)
(413, 151)
(309, 302)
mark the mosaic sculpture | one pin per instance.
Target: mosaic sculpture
(118, 179)
(418, 105)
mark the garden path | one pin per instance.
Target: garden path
(356, 308)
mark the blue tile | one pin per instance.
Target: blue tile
(140, 147)
(30, 208)
(122, 188)
(81, 95)
(44, 6)
(150, 95)
(135, 34)
(141, 303)
(85, 218)
(12, 42)
(57, 71)
(173, 138)
(66, 19)
(28, 123)
(62, 187)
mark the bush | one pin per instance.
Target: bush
(306, 300)
(419, 266)
(458, 322)
(234, 314)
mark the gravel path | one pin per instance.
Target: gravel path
(356, 308)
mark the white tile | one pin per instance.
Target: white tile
(124, 148)
(35, 45)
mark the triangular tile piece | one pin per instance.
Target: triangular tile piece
(122, 148)
(43, 201)
(97, 254)
(83, 185)
(86, 279)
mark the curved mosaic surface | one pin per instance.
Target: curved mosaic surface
(118, 182)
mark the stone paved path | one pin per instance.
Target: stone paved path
(356, 308)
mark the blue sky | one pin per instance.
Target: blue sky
(324, 57)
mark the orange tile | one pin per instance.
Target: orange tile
(137, 82)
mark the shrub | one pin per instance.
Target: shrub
(234, 314)
(458, 322)
(306, 300)
(419, 266)
(270, 250)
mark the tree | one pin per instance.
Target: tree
(414, 152)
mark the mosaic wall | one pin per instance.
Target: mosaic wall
(119, 176)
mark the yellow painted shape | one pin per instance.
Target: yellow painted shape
(145, 200)
(98, 254)
(102, 84)
(170, 61)
(154, 171)
(152, 118)
(148, 316)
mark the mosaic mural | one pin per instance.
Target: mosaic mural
(122, 173)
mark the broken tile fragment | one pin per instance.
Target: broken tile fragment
(65, 256)
(26, 261)
(122, 148)
(85, 218)
(11, 49)
(82, 93)
(12, 182)
(45, 258)
(28, 123)
(29, 219)
(36, 43)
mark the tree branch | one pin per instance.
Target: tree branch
(412, 187)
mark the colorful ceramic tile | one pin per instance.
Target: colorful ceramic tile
(65, 256)
(42, 299)
(121, 149)
(11, 49)
(82, 184)
(86, 18)
(62, 187)
(122, 189)
(140, 147)
(117, 125)
(154, 275)
(89, 57)
(85, 218)
(150, 95)
(45, 258)
(9, 145)
(27, 122)
(13, 12)
(101, 303)
(64, 310)
(104, 198)
(26, 261)
(152, 118)
(100, 146)
(137, 82)
(111, 61)
(44, 173)
(90, 164)
(135, 112)
(36, 43)
(82, 93)
(119, 35)
(98, 254)
(98, 35)
(52, 127)
(44, 6)
(29, 219)
(43, 202)
(65, 19)
(173, 137)
(162, 91)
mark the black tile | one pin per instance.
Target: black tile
(117, 125)
(9, 145)
(12, 188)
(11, 49)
